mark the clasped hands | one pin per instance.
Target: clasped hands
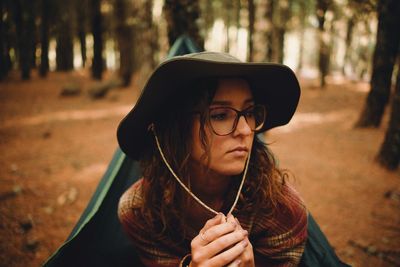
(222, 242)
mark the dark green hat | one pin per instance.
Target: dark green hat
(273, 85)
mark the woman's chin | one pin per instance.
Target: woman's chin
(230, 170)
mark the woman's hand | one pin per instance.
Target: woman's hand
(221, 242)
(247, 257)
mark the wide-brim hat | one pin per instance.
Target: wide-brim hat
(274, 85)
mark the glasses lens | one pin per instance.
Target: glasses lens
(223, 120)
(258, 116)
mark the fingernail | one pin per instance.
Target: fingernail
(245, 233)
(244, 243)
(238, 262)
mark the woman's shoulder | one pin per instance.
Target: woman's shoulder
(131, 199)
(289, 214)
(293, 197)
(282, 236)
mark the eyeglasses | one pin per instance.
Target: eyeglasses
(224, 120)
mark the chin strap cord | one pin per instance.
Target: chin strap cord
(152, 128)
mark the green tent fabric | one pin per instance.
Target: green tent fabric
(98, 239)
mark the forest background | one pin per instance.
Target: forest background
(68, 48)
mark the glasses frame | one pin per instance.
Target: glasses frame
(239, 113)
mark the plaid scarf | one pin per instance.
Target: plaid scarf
(276, 241)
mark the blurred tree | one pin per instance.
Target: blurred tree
(124, 31)
(269, 29)
(389, 154)
(146, 37)
(252, 13)
(351, 21)
(97, 31)
(387, 46)
(5, 60)
(277, 15)
(208, 13)
(182, 17)
(323, 39)
(24, 20)
(283, 17)
(150, 33)
(302, 15)
(237, 7)
(228, 8)
(35, 41)
(44, 37)
(81, 7)
(357, 12)
(64, 36)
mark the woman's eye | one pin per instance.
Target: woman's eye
(219, 116)
(249, 114)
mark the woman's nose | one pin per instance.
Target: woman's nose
(243, 127)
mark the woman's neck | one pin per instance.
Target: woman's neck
(208, 185)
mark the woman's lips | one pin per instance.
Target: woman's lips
(239, 151)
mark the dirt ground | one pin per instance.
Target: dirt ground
(55, 149)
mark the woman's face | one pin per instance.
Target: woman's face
(228, 153)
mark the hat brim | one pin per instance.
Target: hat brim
(274, 86)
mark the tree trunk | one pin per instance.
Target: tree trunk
(323, 59)
(303, 25)
(277, 15)
(284, 17)
(64, 48)
(252, 12)
(44, 30)
(238, 7)
(3, 41)
(387, 45)
(275, 49)
(151, 33)
(23, 11)
(208, 15)
(270, 28)
(227, 16)
(389, 154)
(124, 33)
(182, 18)
(34, 40)
(349, 38)
(97, 64)
(82, 14)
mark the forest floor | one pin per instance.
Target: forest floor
(54, 150)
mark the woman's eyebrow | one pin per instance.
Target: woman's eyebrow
(227, 103)
(222, 103)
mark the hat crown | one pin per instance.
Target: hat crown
(213, 56)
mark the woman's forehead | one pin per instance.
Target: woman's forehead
(232, 90)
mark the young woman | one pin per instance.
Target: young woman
(211, 192)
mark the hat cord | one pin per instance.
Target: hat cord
(152, 127)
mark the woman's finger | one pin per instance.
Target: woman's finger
(238, 223)
(217, 219)
(225, 242)
(230, 218)
(229, 255)
(235, 263)
(207, 236)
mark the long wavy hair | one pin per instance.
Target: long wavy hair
(165, 201)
